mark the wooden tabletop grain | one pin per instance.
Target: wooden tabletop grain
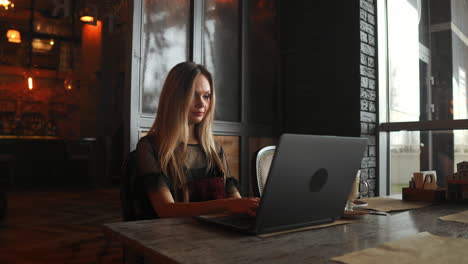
(186, 240)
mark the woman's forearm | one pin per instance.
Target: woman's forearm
(165, 206)
(192, 208)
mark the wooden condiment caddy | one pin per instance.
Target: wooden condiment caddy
(422, 195)
(423, 188)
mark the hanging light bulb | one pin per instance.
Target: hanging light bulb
(30, 83)
(13, 35)
(87, 18)
(29, 76)
(88, 14)
(7, 4)
(68, 84)
(68, 81)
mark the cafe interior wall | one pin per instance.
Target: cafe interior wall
(73, 112)
(25, 111)
(329, 74)
(96, 66)
(48, 99)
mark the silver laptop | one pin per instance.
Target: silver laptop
(308, 184)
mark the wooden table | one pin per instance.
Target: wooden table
(185, 240)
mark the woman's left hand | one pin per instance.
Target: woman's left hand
(247, 205)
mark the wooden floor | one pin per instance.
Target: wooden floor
(60, 227)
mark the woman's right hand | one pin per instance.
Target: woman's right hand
(247, 205)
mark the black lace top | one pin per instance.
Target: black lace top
(202, 184)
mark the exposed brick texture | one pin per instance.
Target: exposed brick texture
(369, 104)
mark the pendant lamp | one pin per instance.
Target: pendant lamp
(7, 4)
(13, 35)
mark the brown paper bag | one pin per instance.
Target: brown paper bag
(418, 179)
(422, 180)
(430, 182)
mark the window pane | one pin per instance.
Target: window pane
(221, 55)
(405, 156)
(459, 47)
(165, 42)
(427, 54)
(412, 151)
(403, 52)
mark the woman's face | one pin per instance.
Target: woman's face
(201, 100)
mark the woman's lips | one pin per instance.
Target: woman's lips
(198, 113)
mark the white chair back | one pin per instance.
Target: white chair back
(263, 163)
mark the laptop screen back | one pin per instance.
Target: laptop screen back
(309, 181)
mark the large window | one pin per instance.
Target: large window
(423, 57)
(165, 42)
(172, 32)
(221, 55)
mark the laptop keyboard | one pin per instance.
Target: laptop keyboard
(240, 220)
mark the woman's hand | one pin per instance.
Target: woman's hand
(242, 205)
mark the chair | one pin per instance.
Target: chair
(135, 203)
(128, 203)
(262, 167)
(131, 202)
(127, 182)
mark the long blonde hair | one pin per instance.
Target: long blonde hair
(171, 131)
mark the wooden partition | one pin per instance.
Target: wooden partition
(231, 146)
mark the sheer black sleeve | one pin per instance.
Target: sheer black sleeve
(148, 171)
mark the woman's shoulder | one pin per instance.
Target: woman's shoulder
(147, 141)
(146, 153)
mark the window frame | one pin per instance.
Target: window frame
(384, 126)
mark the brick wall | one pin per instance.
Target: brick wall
(48, 102)
(368, 95)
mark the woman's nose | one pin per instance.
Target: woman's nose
(199, 102)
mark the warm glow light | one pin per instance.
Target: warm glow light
(7, 4)
(30, 83)
(88, 14)
(13, 35)
(87, 18)
(67, 83)
(42, 45)
(92, 33)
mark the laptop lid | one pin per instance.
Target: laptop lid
(309, 181)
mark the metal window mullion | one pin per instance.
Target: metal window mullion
(134, 102)
(244, 140)
(383, 91)
(197, 30)
(424, 125)
(429, 94)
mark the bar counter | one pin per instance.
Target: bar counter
(30, 137)
(28, 162)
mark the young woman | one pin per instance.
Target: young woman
(182, 169)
